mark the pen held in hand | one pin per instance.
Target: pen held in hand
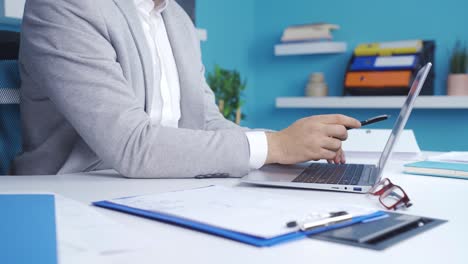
(372, 120)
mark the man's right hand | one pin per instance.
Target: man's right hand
(311, 138)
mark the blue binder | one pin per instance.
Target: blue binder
(237, 236)
(381, 63)
(27, 229)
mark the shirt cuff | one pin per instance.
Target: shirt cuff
(258, 145)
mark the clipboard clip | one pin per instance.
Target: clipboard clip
(327, 220)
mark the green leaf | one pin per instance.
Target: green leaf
(228, 86)
(459, 58)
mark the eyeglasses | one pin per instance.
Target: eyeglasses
(391, 196)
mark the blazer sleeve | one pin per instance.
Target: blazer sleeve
(66, 51)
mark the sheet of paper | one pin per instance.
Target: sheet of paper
(400, 44)
(395, 61)
(251, 212)
(86, 236)
(373, 141)
(459, 157)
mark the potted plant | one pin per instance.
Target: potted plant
(457, 83)
(228, 87)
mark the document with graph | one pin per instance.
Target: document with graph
(232, 210)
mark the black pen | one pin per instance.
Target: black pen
(372, 120)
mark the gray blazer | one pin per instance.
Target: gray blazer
(87, 84)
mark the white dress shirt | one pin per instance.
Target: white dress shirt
(165, 109)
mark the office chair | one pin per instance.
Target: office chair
(10, 128)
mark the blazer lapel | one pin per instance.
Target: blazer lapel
(191, 94)
(127, 7)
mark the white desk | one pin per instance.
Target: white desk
(433, 197)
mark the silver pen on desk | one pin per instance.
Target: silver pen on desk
(325, 220)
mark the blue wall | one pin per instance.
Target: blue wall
(242, 35)
(230, 26)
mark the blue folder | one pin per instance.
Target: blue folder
(368, 63)
(237, 236)
(438, 169)
(27, 229)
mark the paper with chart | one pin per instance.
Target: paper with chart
(251, 212)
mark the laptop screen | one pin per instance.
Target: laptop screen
(403, 117)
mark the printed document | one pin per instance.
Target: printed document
(252, 212)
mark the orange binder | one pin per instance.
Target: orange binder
(378, 79)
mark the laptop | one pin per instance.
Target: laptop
(357, 178)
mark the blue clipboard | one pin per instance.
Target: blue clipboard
(236, 236)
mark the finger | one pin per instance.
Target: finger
(337, 131)
(331, 144)
(341, 120)
(343, 157)
(327, 154)
(337, 159)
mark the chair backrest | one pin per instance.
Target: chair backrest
(10, 128)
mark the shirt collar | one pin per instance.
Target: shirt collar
(151, 5)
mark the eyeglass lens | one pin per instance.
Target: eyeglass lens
(392, 197)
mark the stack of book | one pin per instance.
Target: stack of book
(450, 165)
(388, 68)
(309, 39)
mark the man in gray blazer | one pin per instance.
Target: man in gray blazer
(119, 84)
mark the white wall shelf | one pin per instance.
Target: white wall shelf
(310, 48)
(14, 8)
(202, 34)
(372, 102)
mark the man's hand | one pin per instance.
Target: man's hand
(311, 138)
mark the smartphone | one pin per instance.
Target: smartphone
(373, 120)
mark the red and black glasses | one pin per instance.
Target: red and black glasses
(391, 196)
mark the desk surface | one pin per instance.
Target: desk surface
(432, 197)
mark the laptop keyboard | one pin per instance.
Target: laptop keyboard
(342, 174)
